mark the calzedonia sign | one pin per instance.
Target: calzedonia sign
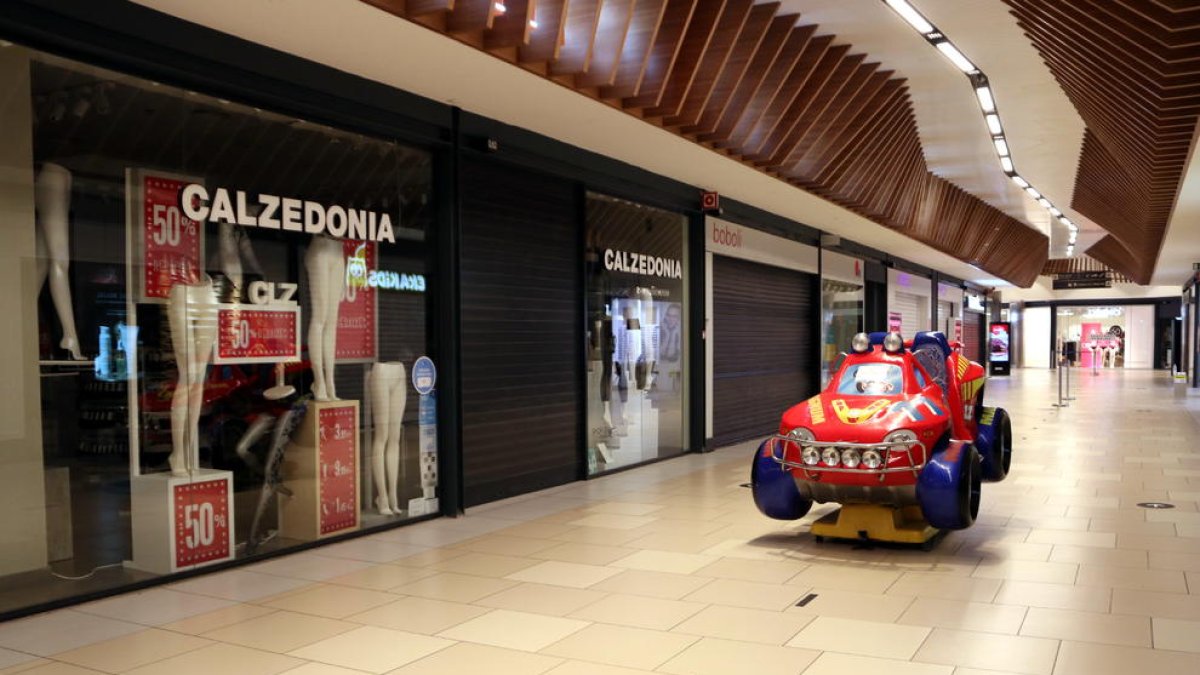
(284, 213)
(638, 263)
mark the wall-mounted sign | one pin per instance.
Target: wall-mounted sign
(998, 346)
(975, 302)
(424, 375)
(895, 322)
(1069, 280)
(358, 310)
(284, 213)
(168, 245)
(645, 265)
(257, 334)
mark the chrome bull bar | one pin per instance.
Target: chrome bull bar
(884, 449)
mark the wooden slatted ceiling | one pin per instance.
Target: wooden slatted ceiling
(753, 84)
(1082, 263)
(1131, 68)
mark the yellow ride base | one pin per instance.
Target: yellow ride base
(877, 522)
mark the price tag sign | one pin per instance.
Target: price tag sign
(169, 247)
(357, 310)
(258, 334)
(338, 468)
(201, 516)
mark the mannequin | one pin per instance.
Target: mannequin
(326, 266)
(192, 314)
(649, 321)
(233, 249)
(52, 194)
(389, 393)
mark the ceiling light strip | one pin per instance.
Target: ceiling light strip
(987, 104)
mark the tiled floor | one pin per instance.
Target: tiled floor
(670, 569)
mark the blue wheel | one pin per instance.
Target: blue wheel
(774, 489)
(948, 488)
(994, 443)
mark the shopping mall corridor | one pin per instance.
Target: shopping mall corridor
(670, 569)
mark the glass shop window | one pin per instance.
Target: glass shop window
(213, 315)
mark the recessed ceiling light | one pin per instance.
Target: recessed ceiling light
(1020, 181)
(1045, 203)
(1006, 164)
(1033, 193)
(993, 122)
(1001, 146)
(1055, 212)
(956, 57)
(500, 8)
(984, 94)
(911, 15)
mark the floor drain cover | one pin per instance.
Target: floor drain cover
(1156, 505)
(746, 485)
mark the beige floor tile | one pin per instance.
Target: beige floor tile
(542, 599)
(1120, 527)
(746, 625)
(572, 575)
(766, 571)
(1054, 596)
(130, 651)
(454, 587)
(851, 605)
(1169, 560)
(312, 668)
(713, 656)
(53, 668)
(213, 620)
(638, 611)
(308, 566)
(749, 594)
(588, 668)
(973, 616)
(612, 521)
(846, 578)
(427, 558)
(665, 561)
(601, 536)
(514, 630)
(1177, 635)
(653, 584)
(280, 631)
(10, 660)
(383, 577)
(584, 554)
(370, 549)
(534, 530)
(221, 658)
(1084, 658)
(1165, 581)
(485, 564)
(989, 650)
(1068, 538)
(334, 602)
(1145, 542)
(624, 508)
(1028, 570)
(418, 615)
(1062, 624)
(865, 638)
(498, 544)
(949, 587)
(1108, 557)
(1164, 605)
(472, 658)
(240, 585)
(372, 649)
(831, 663)
(621, 646)
(54, 632)
(154, 607)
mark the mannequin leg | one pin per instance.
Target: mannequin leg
(336, 280)
(182, 341)
(52, 191)
(204, 331)
(399, 398)
(43, 258)
(379, 386)
(315, 263)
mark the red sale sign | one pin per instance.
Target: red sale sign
(171, 245)
(357, 310)
(262, 334)
(337, 467)
(201, 516)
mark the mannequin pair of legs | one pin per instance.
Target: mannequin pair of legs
(52, 196)
(389, 393)
(192, 316)
(325, 263)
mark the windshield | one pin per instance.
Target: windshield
(872, 379)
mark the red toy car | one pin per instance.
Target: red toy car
(900, 424)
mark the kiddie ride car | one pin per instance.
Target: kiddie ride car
(900, 438)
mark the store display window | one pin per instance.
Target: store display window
(217, 320)
(636, 333)
(841, 319)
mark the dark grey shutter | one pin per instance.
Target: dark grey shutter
(764, 349)
(521, 344)
(972, 340)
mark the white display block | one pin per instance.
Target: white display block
(181, 522)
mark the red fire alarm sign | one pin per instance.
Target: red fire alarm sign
(710, 201)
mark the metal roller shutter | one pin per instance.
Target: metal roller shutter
(521, 339)
(764, 349)
(972, 330)
(912, 312)
(945, 318)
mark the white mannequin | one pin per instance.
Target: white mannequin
(389, 394)
(52, 194)
(326, 266)
(192, 313)
(233, 248)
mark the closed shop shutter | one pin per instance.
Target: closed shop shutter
(764, 349)
(912, 310)
(945, 318)
(521, 340)
(972, 330)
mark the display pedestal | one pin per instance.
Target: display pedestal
(181, 522)
(320, 467)
(877, 522)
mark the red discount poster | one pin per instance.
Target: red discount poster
(958, 331)
(261, 334)
(169, 246)
(201, 522)
(357, 310)
(337, 467)
(895, 320)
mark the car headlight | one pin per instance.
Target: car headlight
(831, 457)
(893, 342)
(851, 457)
(810, 456)
(860, 343)
(900, 440)
(872, 459)
(801, 435)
